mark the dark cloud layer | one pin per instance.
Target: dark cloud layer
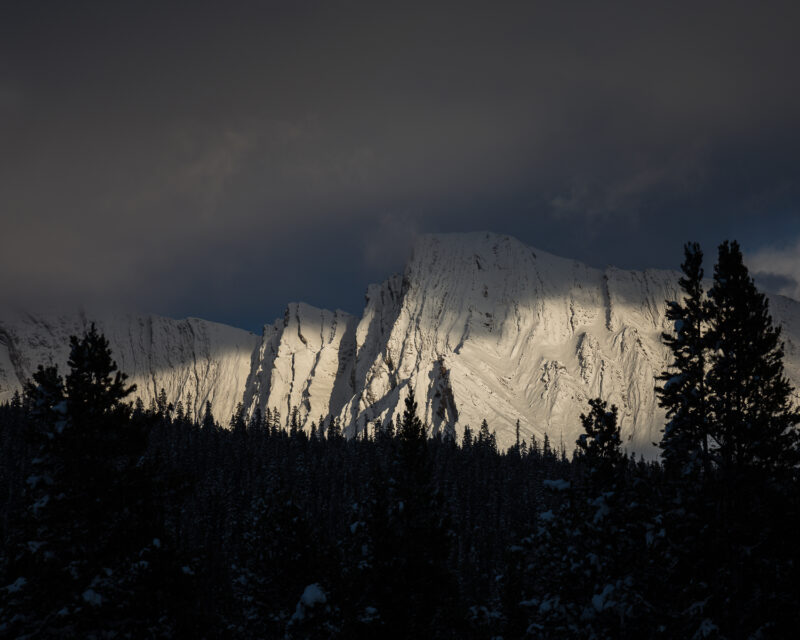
(217, 161)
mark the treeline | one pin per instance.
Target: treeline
(126, 521)
(145, 522)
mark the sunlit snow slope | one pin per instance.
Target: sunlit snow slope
(485, 327)
(303, 361)
(481, 325)
(192, 360)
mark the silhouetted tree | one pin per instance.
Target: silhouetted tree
(208, 417)
(589, 548)
(599, 444)
(684, 442)
(416, 595)
(95, 536)
(750, 398)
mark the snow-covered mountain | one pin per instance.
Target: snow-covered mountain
(304, 360)
(192, 360)
(486, 327)
(481, 325)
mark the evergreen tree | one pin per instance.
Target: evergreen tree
(685, 446)
(414, 590)
(728, 403)
(410, 426)
(276, 426)
(208, 417)
(599, 445)
(466, 439)
(94, 386)
(45, 395)
(534, 449)
(547, 450)
(486, 439)
(189, 407)
(334, 431)
(238, 423)
(754, 422)
(590, 546)
(179, 412)
(92, 516)
(685, 441)
(162, 403)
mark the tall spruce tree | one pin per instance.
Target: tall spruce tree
(729, 414)
(684, 442)
(599, 445)
(411, 429)
(95, 387)
(415, 597)
(208, 417)
(586, 554)
(97, 534)
(750, 398)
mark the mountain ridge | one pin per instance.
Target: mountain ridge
(483, 327)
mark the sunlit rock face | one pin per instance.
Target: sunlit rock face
(481, 325)
(303, 361)
(193, 360)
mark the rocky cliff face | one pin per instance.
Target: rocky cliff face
(192, 360)
(485, 327)
(481, 325)
(304, 361)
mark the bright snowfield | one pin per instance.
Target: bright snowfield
(481, 325)
(206, 360)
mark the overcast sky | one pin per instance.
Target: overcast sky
(219, 162)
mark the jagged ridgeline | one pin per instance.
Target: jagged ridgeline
(481, 325)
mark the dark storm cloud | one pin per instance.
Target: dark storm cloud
(220, 161)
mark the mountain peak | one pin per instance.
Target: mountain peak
(481, 325)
